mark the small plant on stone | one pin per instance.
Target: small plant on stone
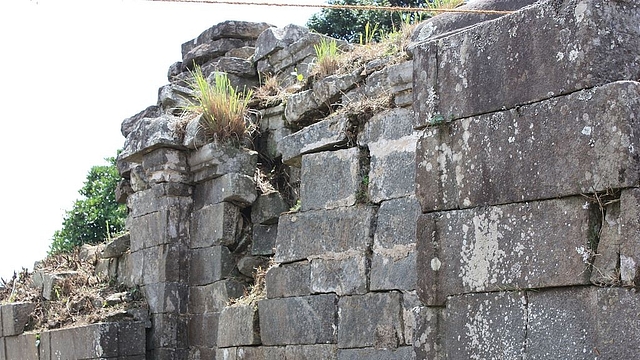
(223, 108)
(443, 4)
(296, 207)
(327, 61)
(369, 34)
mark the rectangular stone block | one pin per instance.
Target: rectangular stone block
(226, 354)
(343, 273)
(234, 188)
(267, 209)
(203, 329)
(305, 234)
(583, 322)
(618, 255)
(516, 246)
(358, 326)
(165, 263)
(159, 197)
(21, 347)
(87, 342)
(487, 326)
(213, 297)
(330, 179)
(240, 326)
(216, 224)
(264, 239)
(402, 353)
(166, 297)
(299, 320)
(391, 142)
(326, 134)
(393, 266)
(261, 353)
(311, 352)
(214, 160)
(288, 280)
(164, 165)
(210, 264)
(550, 49)
(166, 226)
(169, 331)
(131, 339)
(422, 327)
(3, 353)
(579, 143)
(15, 316)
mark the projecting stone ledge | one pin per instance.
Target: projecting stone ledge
(550, 49)
(580, 143)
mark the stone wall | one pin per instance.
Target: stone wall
(489, 209)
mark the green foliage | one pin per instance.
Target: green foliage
(369, 34)
(94, 217)
(327, 57)
(349, 24)
(223, 108)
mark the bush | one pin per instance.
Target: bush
(94, 217)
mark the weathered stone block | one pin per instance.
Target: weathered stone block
(165, 263)
(267, 209)
(210, 264)
(618, 258)
(330, 179)
(131, 338)
(3, 353)
(214, 160)
(163, 165)
(302, 107)
(213, 297)
(204, 329)
(195, 135)
(117, 247)
(159, 197)
(227, 353)
(517, 246)
(459, 76)
(166, 297)
(137, 267)
(149, 134)
(15, 317)
(358, 327)
(173, 98)
(329, 89)
(264, 239)
(227, 29)
(273, 39)
(129, 124)
(235, 188)
(288, 280)
(392, 79)
(336, 230)
(93, 341)
(403, 353)
(422, 327)
(310, 352)
(240, 326)
(244, 52)
(486, 326)
(261, 353)
(523, 152)
(21, 347)
(299, 320)
(236, 66)
(341, 273)
(217, 224)
(105, 268)
(326, 134)
(169, 331)
(204, 52)
(393, 266)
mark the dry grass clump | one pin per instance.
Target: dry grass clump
(223, 108)
(327, 54)
(256, 292)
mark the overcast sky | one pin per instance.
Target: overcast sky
(71, 72)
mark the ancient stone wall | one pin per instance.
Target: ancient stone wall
(476, 199)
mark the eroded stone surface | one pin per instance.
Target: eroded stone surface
(240, 326)
(358, 328)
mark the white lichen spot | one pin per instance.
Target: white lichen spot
(481, 256)
(580, 11)
(559, 56)
(585, 253)
(466, 202)
(628, 269)
(511, 139)
(573, 54)
(435, 264)
(586, 130)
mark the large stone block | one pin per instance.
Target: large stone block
(214, 297)
(403, 353)
(166, 297)
(422, 327)
(302, 108)
(170, 332)
(264, 239)
(551, 49)
(217, 224)
(227, 29)
(329, 89)
(267, 209)
(117, 247)
(235, 188)
(274, 39)
(164, 165)
(103, 340)
(165, 227)
(618, 258)
(227, 353)
(149, 134)
(165, 263)
(358, 326)
(261, 353)
(299, 320)
(21, 347)
(240, 326)
(204, 52)
(204, 328)
(159, 197)
(15, 316)
(392, 147)
(3, 353)
(393, 265)
(306, 234)
(210, 264)
(310, 352)
(288, 280)
(517, 246)
(486, 326)
(574, 323)
(341, 273)
(327, 134)
(584, 142)
(213, 160)
(330, 179)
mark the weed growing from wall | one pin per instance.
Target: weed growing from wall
(327, 57)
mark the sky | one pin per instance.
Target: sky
(71, 72)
